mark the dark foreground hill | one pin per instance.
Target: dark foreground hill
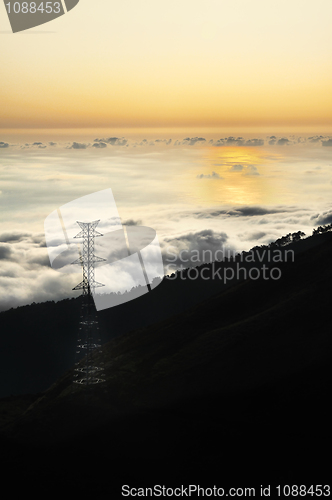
(38, 341)
(233, 392)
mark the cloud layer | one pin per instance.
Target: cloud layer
(214, 175)
(228, 141)
(196, 196)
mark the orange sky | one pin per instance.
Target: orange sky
(144, 63)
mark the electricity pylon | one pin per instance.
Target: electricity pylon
(88, 342)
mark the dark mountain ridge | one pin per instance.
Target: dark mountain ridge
(38, 341)
(232, 391)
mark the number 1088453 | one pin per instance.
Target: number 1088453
(33, 7)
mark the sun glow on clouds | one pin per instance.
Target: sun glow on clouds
(241, 173)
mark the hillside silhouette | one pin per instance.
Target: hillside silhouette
(38, 341)
(230, 387)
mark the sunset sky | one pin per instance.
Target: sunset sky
(176, 63)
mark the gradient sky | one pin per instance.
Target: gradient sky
(171, 63)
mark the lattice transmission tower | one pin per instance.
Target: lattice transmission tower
(88, 372)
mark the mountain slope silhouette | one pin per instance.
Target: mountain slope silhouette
(233, 391)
